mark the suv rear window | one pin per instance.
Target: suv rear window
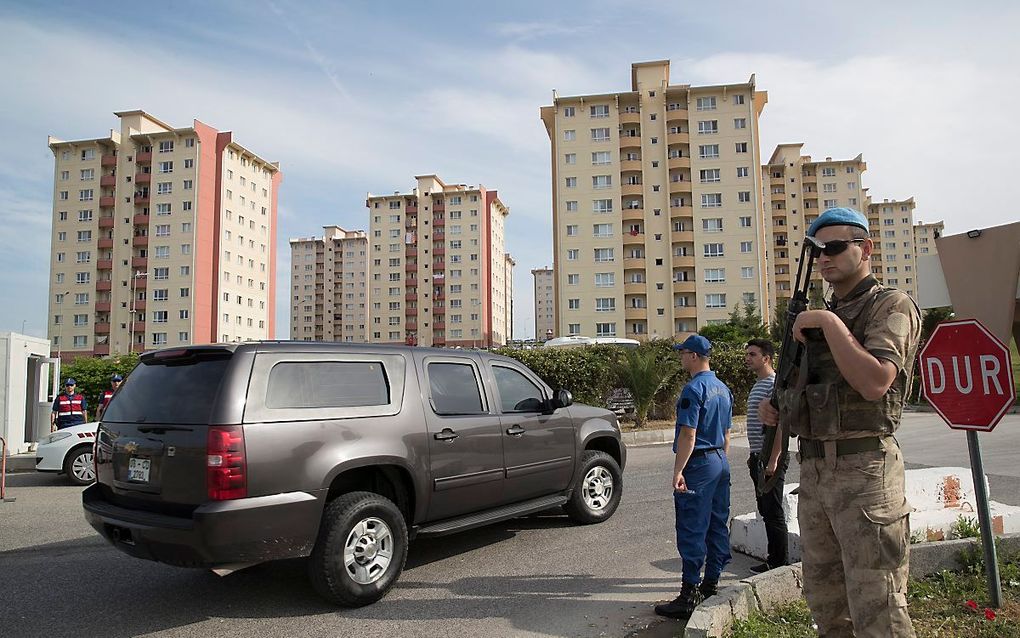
(327, 384)
(179, 390)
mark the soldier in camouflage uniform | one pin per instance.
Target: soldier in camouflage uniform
(845, 407)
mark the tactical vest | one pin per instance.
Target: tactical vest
(69, 406)
(104, 400)
(823, 404)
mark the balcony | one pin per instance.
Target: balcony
(411, 296)
(138, 327)
(630, 141)
(101, 349)
(140, 240)
(410, 250)
(439, 251)
(139, 262)
(139, 304)
(685, 312)
(684, 286)
(633, 262)
(635, 313)
(439, 268)
(140, 220)
(104, 284)
(411, 223)
(439, 295)
(103, 328)
(105, 242)
(681, 236)
(411, 311)
(632, 189)
(106, 222)
(686, 261)
(685, 210)
(141, 199)
(143, 178)
(107, 201)
(680, 186)
(108, 181)
(439, 222)
(143, 158)
(141, 283)
(627, 117)
(411, 325)
(678, 138)
(108, 160)
(439, 325)
(635, 287)
(409, 267)
(632, 214)
(104, 264)
(678, 162)
(102, 306)
(633, 239)
(630, 165)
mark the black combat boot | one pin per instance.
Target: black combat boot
(683, 605)
(708, 588)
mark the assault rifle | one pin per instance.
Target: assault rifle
(789, 361)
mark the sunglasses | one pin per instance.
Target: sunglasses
(837, 246)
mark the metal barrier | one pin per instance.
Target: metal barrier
(3, 472)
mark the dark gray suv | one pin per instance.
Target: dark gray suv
(224, 456)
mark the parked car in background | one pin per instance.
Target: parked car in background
(224, 456)
(69, 451)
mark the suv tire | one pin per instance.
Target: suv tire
(360, 551)
(78, 466)
(597, 491)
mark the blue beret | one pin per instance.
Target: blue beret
(838, 217)
(696, 344)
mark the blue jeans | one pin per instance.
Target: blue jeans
(702, 518)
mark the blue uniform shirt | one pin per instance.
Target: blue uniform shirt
(705, 404)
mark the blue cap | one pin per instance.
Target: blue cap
(116, 377)
(838, 217)
(696, 344)
(70, 381)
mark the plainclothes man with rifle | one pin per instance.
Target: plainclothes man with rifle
(845, 405)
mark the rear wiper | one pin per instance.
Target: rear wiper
(162, 428)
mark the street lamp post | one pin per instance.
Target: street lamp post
(131, 312)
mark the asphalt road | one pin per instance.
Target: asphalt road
(539, 576)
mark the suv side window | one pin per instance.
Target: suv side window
(327, 384)
(454, 389)
(516, 392)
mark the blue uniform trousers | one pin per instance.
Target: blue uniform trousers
(702, 518)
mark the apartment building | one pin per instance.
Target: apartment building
(800, 189)
(892, 231)
(658, 223)
(161, 236)
(925, 236)
(507, 277)
(439, 274)
(329, 293)
(545, 303)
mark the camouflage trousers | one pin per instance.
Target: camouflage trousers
(855, 538)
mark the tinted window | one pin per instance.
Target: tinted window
(516, 392)
(454, 388)
(170, 391)
(327, 384)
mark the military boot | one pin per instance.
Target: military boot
(708, 588)
(683, 605)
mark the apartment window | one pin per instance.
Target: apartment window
(599, 134)
(88, 174)
(81, 320)
(572, 254)
(164, 188)
(605, 329)
(851, 169)
(602, 206)
(851, 185)
(574, 328)
(81, 298)
(571, 230)
(569, 111)
(747, 272)
(161, 273)
(715, 275)
(60, 258)
(599, 110)
(166, 167)
(742, 171)
(84, 215)
(605, 279)
(63, 195)
(828, 172)
(573, 304)
(708, 151)
(65, 175)
(166, 147)
(738, 99)
(745, 221)
(831, 203)
(828, 188)
(569, 135)
(853, 201)
(740, 122)
(572, 207)
(81, 341)
(573, 279)
(602, 230)
(706, 103)
(163, 209)
(62, 236)
(603, 254)
(713, 250)
(708, 127)
(570, 158)
(160, 316)
(84, 235)
(711, 225)
(745, 247)
(601, 158)
(741, 147)
(83, 257)
(189, 163)
(571, 182)
(744, 197)
(162, 230)
(605, 304)
(710, 175)
(88, 154)
(601, 181)
(715, 300)
(85, 195)
(711, 200)
(82, 277)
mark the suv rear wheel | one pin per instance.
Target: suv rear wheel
(597, 491)
(360, 551)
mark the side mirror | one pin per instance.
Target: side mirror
(563, 399)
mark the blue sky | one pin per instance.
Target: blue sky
(361, 96)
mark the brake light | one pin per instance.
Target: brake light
(225, 463)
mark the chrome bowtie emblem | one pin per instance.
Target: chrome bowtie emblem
(131, 447)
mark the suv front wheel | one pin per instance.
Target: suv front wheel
(360, 551)
(597, 491)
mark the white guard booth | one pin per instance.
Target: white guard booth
(27, 377)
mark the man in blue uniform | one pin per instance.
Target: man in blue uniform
(701, 478)
(69, 408)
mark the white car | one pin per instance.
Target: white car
(69, 451)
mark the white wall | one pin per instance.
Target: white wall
(15, 350)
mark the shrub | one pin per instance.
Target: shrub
(93, 375)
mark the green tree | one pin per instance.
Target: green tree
(816, 297)
(777, 329)
(642, 373)
(929, 320)
(93, 375)
(741, 327)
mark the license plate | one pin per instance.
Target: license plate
(138, 470)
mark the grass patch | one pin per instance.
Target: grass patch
(938, 606)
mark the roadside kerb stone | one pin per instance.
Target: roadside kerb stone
(665, 435)
(931, 558)
(715, 616)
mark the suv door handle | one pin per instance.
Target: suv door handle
(446, 435)
(515, 430)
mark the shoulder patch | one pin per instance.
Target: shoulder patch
(898, 324)
(685, 403)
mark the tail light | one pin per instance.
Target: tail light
(225, 463)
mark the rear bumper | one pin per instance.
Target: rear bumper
(247, 530)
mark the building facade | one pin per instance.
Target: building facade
(658, 223)
(438, 266)
(925, 236)
(892, 231)
(329, 294)
(161, 236)
(545, 303)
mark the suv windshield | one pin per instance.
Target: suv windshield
(179, 390)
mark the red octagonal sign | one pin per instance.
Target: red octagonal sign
(967, 376)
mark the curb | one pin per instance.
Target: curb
(766, 592)
(21, 463)
(665, 436)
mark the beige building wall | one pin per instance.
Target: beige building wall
(438, 269)
(329, 286)
(798, 190)
(894, 261)
(925, 236)
(140, 219)
(658, 224)
(545, 296)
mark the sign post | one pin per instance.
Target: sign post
(967, 377)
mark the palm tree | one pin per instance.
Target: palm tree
(643, 375)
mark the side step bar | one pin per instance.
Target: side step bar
(460, 524)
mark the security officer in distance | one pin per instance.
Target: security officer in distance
(104, 398)
(69, 408)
